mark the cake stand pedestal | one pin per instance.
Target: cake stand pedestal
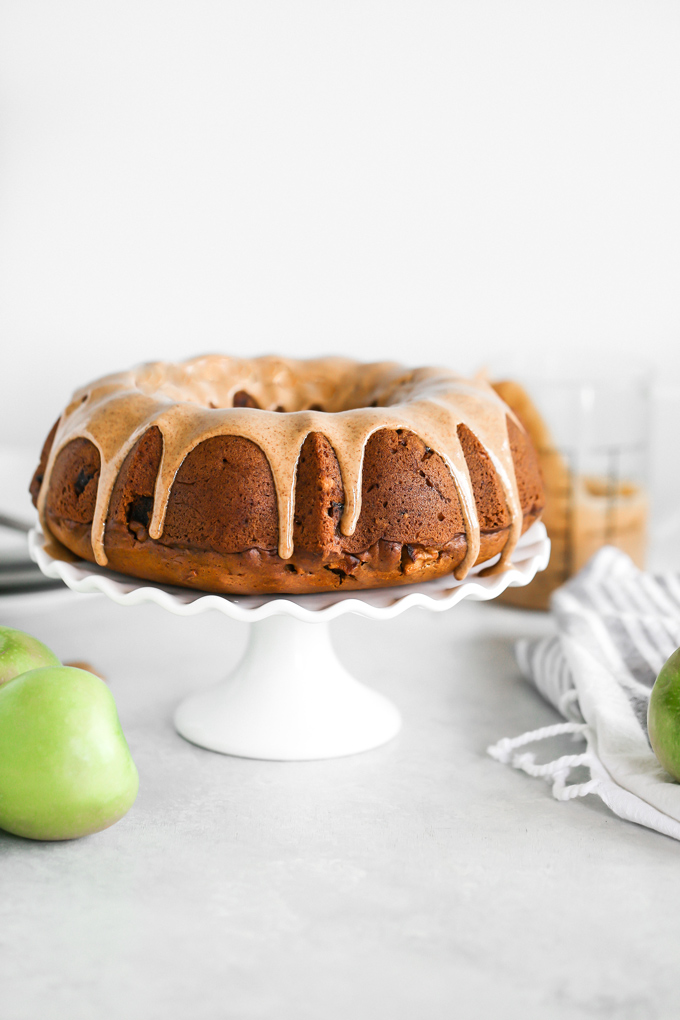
(290, 699)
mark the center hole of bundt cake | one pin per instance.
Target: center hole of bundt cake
(244, 399)
(269, 384)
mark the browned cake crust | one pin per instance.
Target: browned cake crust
(221, 528)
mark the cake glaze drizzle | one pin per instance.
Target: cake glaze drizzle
(192, 401)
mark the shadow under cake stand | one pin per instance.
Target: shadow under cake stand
(289, 698)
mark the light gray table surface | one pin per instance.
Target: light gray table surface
(419, 880)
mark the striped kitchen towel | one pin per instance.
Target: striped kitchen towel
(616, 626)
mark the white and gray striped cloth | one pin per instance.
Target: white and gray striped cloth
(616, 626)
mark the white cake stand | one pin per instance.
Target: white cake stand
(290, 699)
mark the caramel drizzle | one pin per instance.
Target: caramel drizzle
(192, 402)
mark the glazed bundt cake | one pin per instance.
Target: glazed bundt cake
(275, 475)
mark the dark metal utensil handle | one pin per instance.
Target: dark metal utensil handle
(6, 521)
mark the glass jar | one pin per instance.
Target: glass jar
(593, 440)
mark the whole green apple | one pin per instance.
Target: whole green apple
(20, 652)
(663, 715)
(65, 767)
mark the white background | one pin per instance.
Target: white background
(455, 182)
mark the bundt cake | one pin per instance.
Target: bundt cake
(275, 475)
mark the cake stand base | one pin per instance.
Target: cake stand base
(289, 699)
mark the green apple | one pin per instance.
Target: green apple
(65, 767)
(663, 715)
(20, 652)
